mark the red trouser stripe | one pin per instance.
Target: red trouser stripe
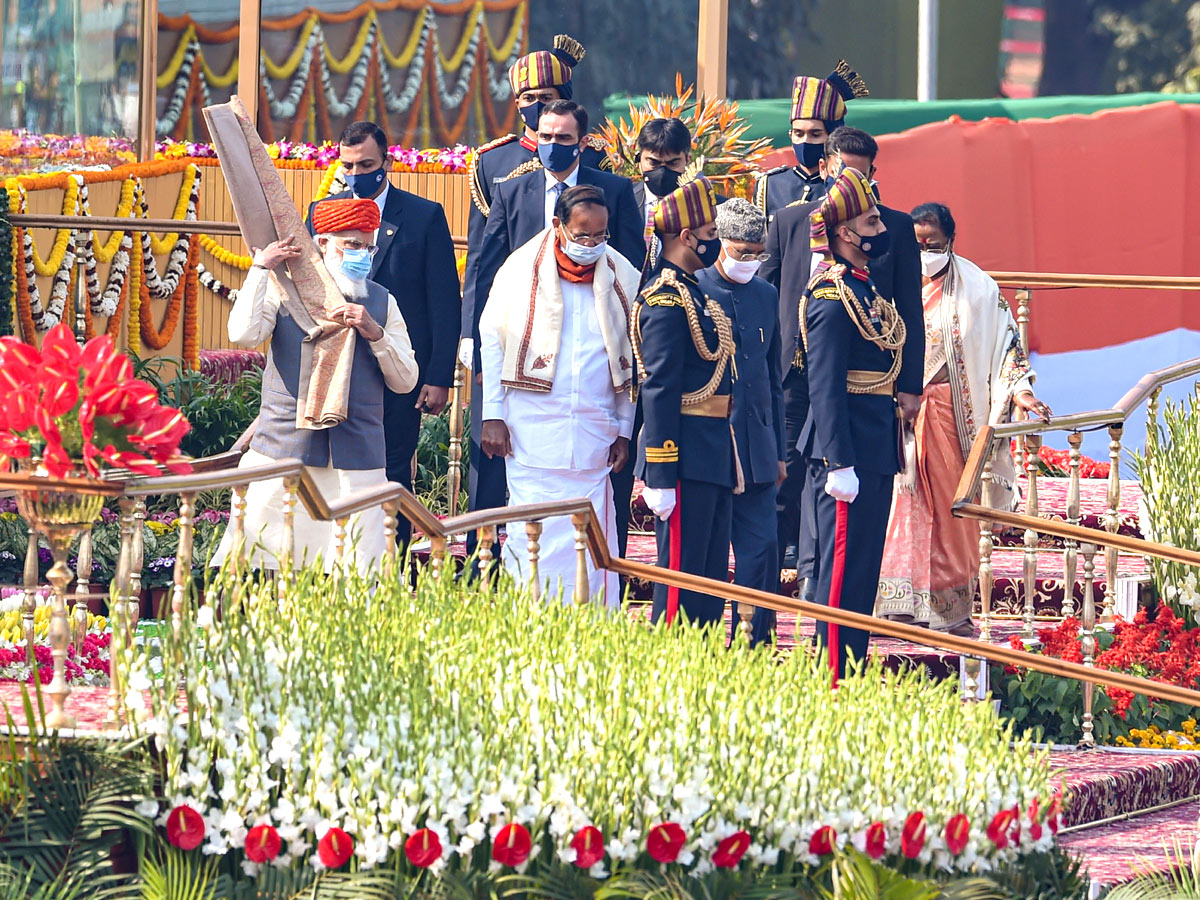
(675, 551)
(835, 582)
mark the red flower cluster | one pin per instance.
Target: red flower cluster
(262, 844)
(83, 404)
(1057, 463)
(1161, 647)
(91, 658)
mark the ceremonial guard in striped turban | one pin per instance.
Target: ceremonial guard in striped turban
(818, 107)
(684, 346)
(344, 458)
(853, 339)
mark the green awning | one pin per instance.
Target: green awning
(769, 118)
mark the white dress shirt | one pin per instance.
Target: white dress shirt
(252, 321)
(576, 422)
(552, 194)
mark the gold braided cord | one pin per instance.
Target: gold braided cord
(722, 354)
(890, 335)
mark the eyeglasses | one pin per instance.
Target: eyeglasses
(586, 240)
(352, 244)
(747, 257)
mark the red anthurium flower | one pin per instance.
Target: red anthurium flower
(423, 849)
(262, 843)
(731, 850)
(1014, 818)
(665, 842)
(588, 845)
(876, 844)
(335, 848)
(56, 460)
(823, 840)
(101, 361)
(997, 830)
(512, 845)
(60, 352)
(185, 828)
(19, 408)
(59, 394)
(958, 832)
(912, 837)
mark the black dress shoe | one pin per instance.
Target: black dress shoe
(791, 556)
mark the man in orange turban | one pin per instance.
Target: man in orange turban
(348, 457)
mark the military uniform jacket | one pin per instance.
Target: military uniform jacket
(666, 323)
(846, 429)
(757, 416)
(494, 162)
(783, 186)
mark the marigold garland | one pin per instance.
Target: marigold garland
(223, 255)
(133, 331)
(159, 338)
(113, 329)
(52, 263)
(191, 307)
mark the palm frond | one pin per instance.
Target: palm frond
(302, 883)
(177, 875)
(1181, 879)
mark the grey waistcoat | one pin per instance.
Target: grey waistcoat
(357, 443)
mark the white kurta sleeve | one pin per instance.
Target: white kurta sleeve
(252, 319)
(395, 353)
(491, 352)
(626, 411)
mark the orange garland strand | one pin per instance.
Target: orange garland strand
(158, 338)
(191, 313)
(24, 309)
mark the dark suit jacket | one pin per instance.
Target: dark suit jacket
(416, 264)
(789, 246)
(757, 416)
(519, 213)
(897, 275)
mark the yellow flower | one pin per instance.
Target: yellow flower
(1189, 726)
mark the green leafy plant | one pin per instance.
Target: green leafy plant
(1180, 881)
(6, 267)
(1171, 487)
(433, 462)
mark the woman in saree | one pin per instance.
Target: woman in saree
(976, 373)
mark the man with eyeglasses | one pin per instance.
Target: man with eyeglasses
(522, 208)
(818, 107)
(412, 256)
(752, 305)
(557, 373)
(348, 457)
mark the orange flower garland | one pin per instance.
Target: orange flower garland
(191, 307)
(158, 338)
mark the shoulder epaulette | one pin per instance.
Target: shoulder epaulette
(498, 142)
(596, 143)
(833, 275)
(530, 165)
(762, 176)
(478, 195)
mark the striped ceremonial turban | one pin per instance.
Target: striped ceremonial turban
(825, 98)
(345, 214)
(692, 205)
(547, 68)
(848, 198)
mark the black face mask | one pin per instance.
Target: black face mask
(530, 114)
(708, 250)
(661, 181)
(808, 155)
(873, 246)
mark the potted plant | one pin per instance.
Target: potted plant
(66, 413)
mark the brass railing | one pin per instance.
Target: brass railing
(973, 500)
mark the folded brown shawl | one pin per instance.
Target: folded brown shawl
(265, 211)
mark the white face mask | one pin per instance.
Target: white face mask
(933, 261)
(739, 270)
(585, 256)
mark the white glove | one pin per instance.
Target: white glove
(660, 500)
(466, 352)
(842, 484)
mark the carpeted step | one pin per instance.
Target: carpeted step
(1121, 850)
(1114, 781)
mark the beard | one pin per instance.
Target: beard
(351, 289)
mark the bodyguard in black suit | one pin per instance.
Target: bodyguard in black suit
(751, 305)
(518, 213)
(853, 339)
(415, 262)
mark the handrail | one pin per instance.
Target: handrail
(122, 223)
(1056, 280)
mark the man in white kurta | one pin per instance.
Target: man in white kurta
(557, 367)
(347, 458)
